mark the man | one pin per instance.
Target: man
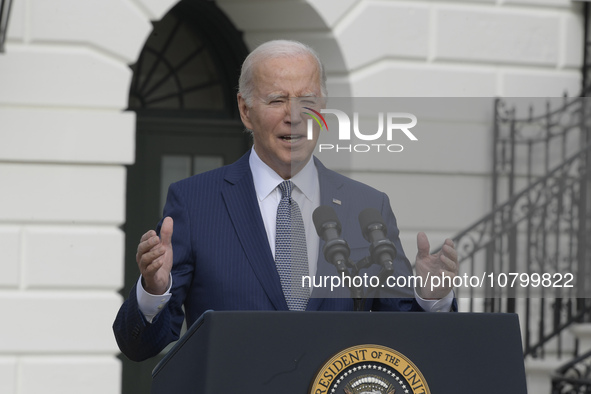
(226, 252)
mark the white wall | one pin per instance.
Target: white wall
(64, 140)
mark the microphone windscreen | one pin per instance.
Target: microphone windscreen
(368, 217)
(322, 215)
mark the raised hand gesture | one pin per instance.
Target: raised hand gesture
(154, 258)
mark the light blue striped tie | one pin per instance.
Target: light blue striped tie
(291, 254)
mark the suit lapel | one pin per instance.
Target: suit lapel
(331, 192)
(242, 205)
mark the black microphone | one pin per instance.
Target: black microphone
(336, 250)
(374, 230)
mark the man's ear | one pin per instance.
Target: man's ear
(244, 112)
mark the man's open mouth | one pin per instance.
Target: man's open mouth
(291, 138)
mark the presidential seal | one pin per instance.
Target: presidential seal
(369, 369)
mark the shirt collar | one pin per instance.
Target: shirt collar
(266, 179)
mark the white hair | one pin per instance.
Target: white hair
(271, 50)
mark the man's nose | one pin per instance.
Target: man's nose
(293, 111)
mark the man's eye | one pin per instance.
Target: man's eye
(309, 101)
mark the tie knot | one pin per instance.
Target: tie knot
(286, 187)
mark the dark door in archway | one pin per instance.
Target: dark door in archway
(184, 93)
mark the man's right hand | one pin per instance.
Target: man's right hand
(154, 258)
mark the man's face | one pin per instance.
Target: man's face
(279, 131)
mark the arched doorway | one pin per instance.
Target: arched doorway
(184, 94)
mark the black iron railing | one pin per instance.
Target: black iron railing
(573, 377)
(539, 223)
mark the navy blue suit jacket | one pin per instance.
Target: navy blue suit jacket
(222, 258)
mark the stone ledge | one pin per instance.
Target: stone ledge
(539, 373)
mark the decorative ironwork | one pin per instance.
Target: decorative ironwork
(5, 6)
(185, 67)
(574, 377)
(540, 219)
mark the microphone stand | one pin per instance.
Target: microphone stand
(356, 292)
